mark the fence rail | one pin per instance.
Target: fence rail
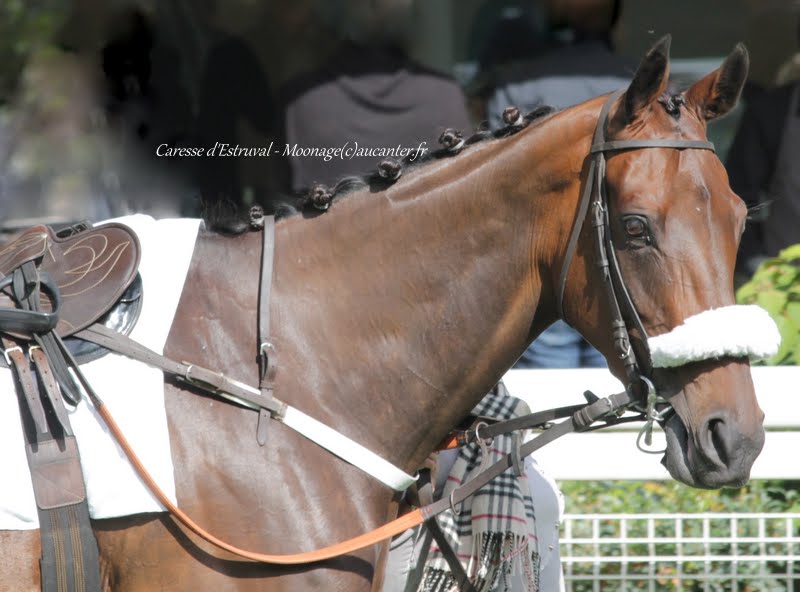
(614, 454)
(710, 552)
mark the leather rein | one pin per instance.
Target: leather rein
(579, 417)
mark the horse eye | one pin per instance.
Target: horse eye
(635, 226)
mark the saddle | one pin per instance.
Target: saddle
(90, 271)
(53, 285)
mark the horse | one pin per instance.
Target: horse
(399, 307)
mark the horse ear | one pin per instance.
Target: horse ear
(717, 93)
(650, 79)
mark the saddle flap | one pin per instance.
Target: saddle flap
(26, 246)
(92, 270)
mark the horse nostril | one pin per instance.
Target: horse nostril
(718, 431)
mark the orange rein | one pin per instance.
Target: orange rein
(367, 539)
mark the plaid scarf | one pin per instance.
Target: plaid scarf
(494, 533)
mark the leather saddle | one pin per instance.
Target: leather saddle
(86, 277)
(52, 285)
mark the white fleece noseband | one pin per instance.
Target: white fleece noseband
(736, 331)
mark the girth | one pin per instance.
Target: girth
(50, 287)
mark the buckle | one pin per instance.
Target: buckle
(8, 351)
(651, 415)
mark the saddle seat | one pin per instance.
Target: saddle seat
(92, 269)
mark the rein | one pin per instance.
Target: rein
(581, 419)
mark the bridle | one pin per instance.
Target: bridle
(638, 368)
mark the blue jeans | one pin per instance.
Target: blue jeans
(560, 346)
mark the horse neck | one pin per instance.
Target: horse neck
(418, 298)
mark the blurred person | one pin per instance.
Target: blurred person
(508, 31)
(762, 167)
(56, 162)
(581, 66)
(234, 91)
(368, 93)
(503, 33)
(147, 107)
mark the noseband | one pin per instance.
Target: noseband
(623, 311)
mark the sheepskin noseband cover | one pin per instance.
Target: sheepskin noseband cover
(736, 331)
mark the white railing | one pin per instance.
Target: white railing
(681, 552)
(669, 552)
(613, 452)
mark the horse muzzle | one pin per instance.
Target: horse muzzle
(717, 454)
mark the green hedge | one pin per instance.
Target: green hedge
(25, 26)
(775, 286)
(636, 497)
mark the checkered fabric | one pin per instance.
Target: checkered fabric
(494, 531)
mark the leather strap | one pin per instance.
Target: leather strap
(203, 378)
(425, 492)
(616, 145)
(265, 346)
(583, 206)
(27, 388)
(525, 422)
(578, 422)
(242, 394)
(266, 349)
(70, 559)
(49, 384)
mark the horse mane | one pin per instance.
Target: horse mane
(226, 218)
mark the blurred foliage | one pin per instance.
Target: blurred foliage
(775, 286)
(25, 25)
(636, 497)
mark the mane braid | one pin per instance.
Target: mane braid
(226, 219)
(376, 182)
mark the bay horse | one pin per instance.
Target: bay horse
(397, 309)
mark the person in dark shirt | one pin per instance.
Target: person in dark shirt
(146, 106)
(369, 102)
(370, 96)
(762, 167)
(233, 89)
(582, 66)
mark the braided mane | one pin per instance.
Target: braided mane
(225, 218)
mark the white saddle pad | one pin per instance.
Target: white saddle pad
(133, 393)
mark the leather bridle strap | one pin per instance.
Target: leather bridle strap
(266, 370)
(579, 422)
(615, 145)
(583, 207)
(623, 311)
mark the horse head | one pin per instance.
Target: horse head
(674, 226)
